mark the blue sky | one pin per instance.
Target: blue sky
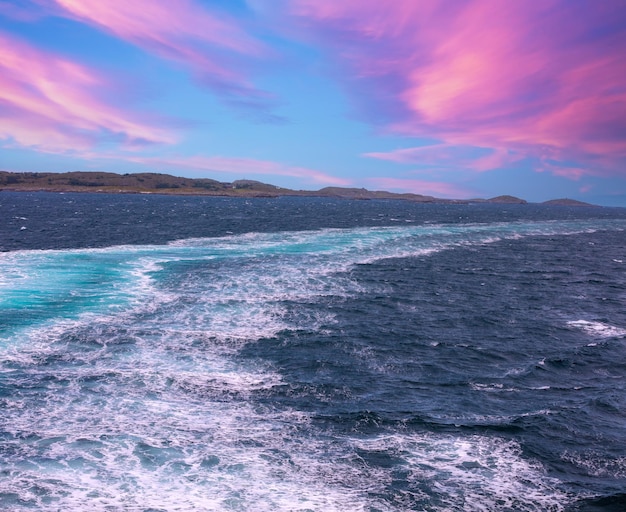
(450, 98)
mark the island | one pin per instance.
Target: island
(157, 183)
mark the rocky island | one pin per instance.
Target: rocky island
(156, 183)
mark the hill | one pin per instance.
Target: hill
(146, 183)
(566, 202)
(156, 183)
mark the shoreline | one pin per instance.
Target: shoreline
(166, 184)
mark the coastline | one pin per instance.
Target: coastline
(166, 184)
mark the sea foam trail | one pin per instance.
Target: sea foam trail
(38, 288)
(121, 389)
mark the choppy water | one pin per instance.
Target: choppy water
(161, 354)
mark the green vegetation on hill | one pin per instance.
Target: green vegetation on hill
(155, 183)
(129, 183)
(167, 184)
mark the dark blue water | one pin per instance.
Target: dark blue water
(170, 353)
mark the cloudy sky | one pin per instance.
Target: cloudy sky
(451, 98)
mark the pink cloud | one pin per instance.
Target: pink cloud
(538, 78)
(51, 103)
(242, 167)
(218, 50)
(422, 154)
(423, 187)
(570, 172)
(450, 157)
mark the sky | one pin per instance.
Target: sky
(448, 98)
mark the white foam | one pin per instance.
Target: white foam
(170, 425)
(597, 465)
(173, 455)
(473, 472)
(177, 454)
(491, 387)
(598, 329)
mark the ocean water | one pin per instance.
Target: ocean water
(300, 354)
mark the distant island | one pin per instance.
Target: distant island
(155, 183)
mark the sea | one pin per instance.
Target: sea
(171, 353)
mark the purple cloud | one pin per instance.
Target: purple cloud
(538, 79)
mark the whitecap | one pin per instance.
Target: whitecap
(598, 329)
(473, 472)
